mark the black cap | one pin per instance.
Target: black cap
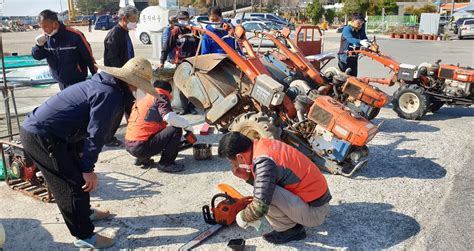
(182, 15)
(358, 16)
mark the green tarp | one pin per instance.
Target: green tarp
(21, 61)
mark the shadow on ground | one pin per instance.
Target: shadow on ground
(396, 125)
(165, 229)
(447, 113)
(388, 161)
(123, 186)
(361, 226)
(21, 234)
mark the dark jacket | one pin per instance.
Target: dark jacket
(80, 112)
(68, 54)
(180, 39)
(210, 46)
(117, 48)
(350, 37)
(164, 40)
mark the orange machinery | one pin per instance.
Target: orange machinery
(354, 88)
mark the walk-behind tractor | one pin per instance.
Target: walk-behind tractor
(238, 94)
(423, 88)
(288, 63)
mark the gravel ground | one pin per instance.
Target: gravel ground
(393, 203)
(415, 194)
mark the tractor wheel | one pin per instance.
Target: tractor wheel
(255, 126)
(372, 114)
(411, 102)
(436, 105)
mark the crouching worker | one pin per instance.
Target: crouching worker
(154, 128)
(80, 116)
(289, 190)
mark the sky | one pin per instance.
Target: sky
(31, 7)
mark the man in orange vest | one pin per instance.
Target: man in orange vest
(154, 128)
(289, 189)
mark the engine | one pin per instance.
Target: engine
(19, 167)
(458, 89)
(338, 134)
(458, 81)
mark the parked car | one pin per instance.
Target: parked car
(105, 22)
(253, 27)
(142, 34)
(466, 29)
(459, 23)
(198, 19)
(242, 17)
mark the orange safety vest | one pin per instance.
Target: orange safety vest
(312, 183)
(138, 129)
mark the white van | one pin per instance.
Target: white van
(263, 16)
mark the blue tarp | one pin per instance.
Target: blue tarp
(469, 8)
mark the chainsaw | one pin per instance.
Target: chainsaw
(222, 215)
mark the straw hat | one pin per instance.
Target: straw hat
(137, 72)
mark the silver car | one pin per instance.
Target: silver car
(466, 29)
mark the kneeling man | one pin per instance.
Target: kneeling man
(289, 189)
(154, 128)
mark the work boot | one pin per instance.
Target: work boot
(114, 142)
(293, 234)
(97, 241)
(145, 162)
(170, 167)
(97, 214)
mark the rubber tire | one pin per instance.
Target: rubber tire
(419, 92)
(255, 126)
(436, 105)
(144, 34)
(373, 114)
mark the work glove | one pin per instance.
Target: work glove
(175, 120)
(365, 43)
(243, 224)
(41, 40)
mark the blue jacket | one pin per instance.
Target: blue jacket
(80, 112)
(350, 37)
(68, 54)
(210, 46)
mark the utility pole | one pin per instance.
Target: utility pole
(235, 8)
(452, 9)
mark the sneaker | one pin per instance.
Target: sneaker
(97, 241)
(293, 234)
(114, 142)
(146, 162)
(170, 168)
(98, 214)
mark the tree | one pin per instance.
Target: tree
(427, 8)
(329, 15)
(376, 6)
(88, 7)
(353, 6)
(315, 11)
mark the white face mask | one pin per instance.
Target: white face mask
(245, 166)
(52, 33)
(183, 22)
(216, 26)
(131, 26)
